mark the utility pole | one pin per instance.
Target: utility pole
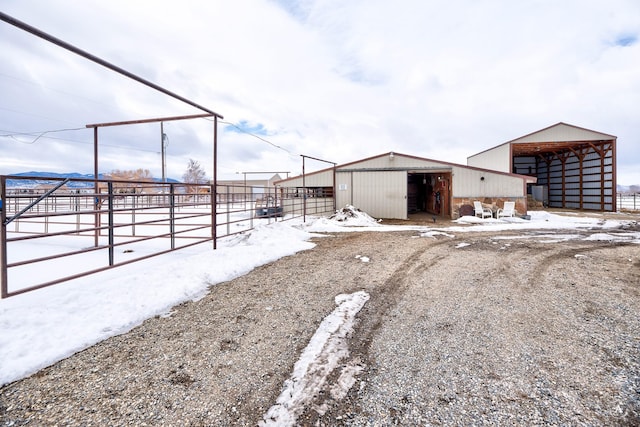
(163, 138)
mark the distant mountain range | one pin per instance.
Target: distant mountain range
(628, 188)
(42, 179)
(21, 183)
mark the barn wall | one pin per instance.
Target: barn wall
(579, 185)
(470, 183)
(563, 132)
(378, 185)
(497, 159)
(525, 165)
(398, 161)
(319, 179)
(382, 194)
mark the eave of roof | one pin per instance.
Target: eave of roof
(345, 165)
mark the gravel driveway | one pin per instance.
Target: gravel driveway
(465, 330)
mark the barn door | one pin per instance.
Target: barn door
(381, 194)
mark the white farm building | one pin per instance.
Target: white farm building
(394, 185)
(560, 166)
(575, 167)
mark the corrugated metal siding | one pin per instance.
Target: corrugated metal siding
(320, 179)
(593, 184)
(563, 132)
(525, 165)
(398, 161)
(468, 183)
(380, 194)
(344, 189)
(495, 159)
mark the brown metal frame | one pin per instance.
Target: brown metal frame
(143, 121)
(181, 224)
(561, 150)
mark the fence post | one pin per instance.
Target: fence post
(3, 238)
(110, 216)
(134, 199)
(172, 217)
(228, 217)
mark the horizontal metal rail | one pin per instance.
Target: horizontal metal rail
(628, 201)
(6, 221)
(152, 218)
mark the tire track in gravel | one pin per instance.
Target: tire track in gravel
(384, 298)
(421, 255)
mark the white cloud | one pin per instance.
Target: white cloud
(331, 79)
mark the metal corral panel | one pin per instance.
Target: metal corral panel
(382, 194)
(476, 183)
(498, 159)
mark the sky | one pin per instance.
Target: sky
(337, 81)
(78, 314)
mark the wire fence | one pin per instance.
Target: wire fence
(627, 201)
(63, 230)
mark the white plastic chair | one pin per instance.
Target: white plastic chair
(481, 211)
(508, 210)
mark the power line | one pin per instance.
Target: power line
(39, 135)
(255, 136)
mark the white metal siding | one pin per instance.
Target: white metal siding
(389, 162)
(320, 179)
(380, 194)
(495, 159)
(469, 183)
(344, 189)
(563, 132)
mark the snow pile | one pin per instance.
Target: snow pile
(44, 326)
(351, 215)
(327, 347)
(348, 218)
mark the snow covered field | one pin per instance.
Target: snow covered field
(45, 326)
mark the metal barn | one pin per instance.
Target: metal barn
(395, 186)
(575, 167)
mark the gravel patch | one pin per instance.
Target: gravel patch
(464, 330)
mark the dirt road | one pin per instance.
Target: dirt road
(471, 329)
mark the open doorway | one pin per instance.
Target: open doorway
(429, 193)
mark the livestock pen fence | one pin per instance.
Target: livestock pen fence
(628, 201)
(64, 229)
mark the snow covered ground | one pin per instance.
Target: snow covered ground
(42, 327)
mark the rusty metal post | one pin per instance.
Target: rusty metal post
(172, 215)
(214, 193)
(96, 189)
(304, 194)
(335, 194)
(4, 291)
(111, 223)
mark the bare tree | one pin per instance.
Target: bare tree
(138, 175)
(194, 174)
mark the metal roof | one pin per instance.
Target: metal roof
(557, 138)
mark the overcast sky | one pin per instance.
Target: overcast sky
(336, 80)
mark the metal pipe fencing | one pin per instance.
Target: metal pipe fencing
(628, 201)
(77, 231)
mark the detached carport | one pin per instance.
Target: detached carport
(575, 167)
